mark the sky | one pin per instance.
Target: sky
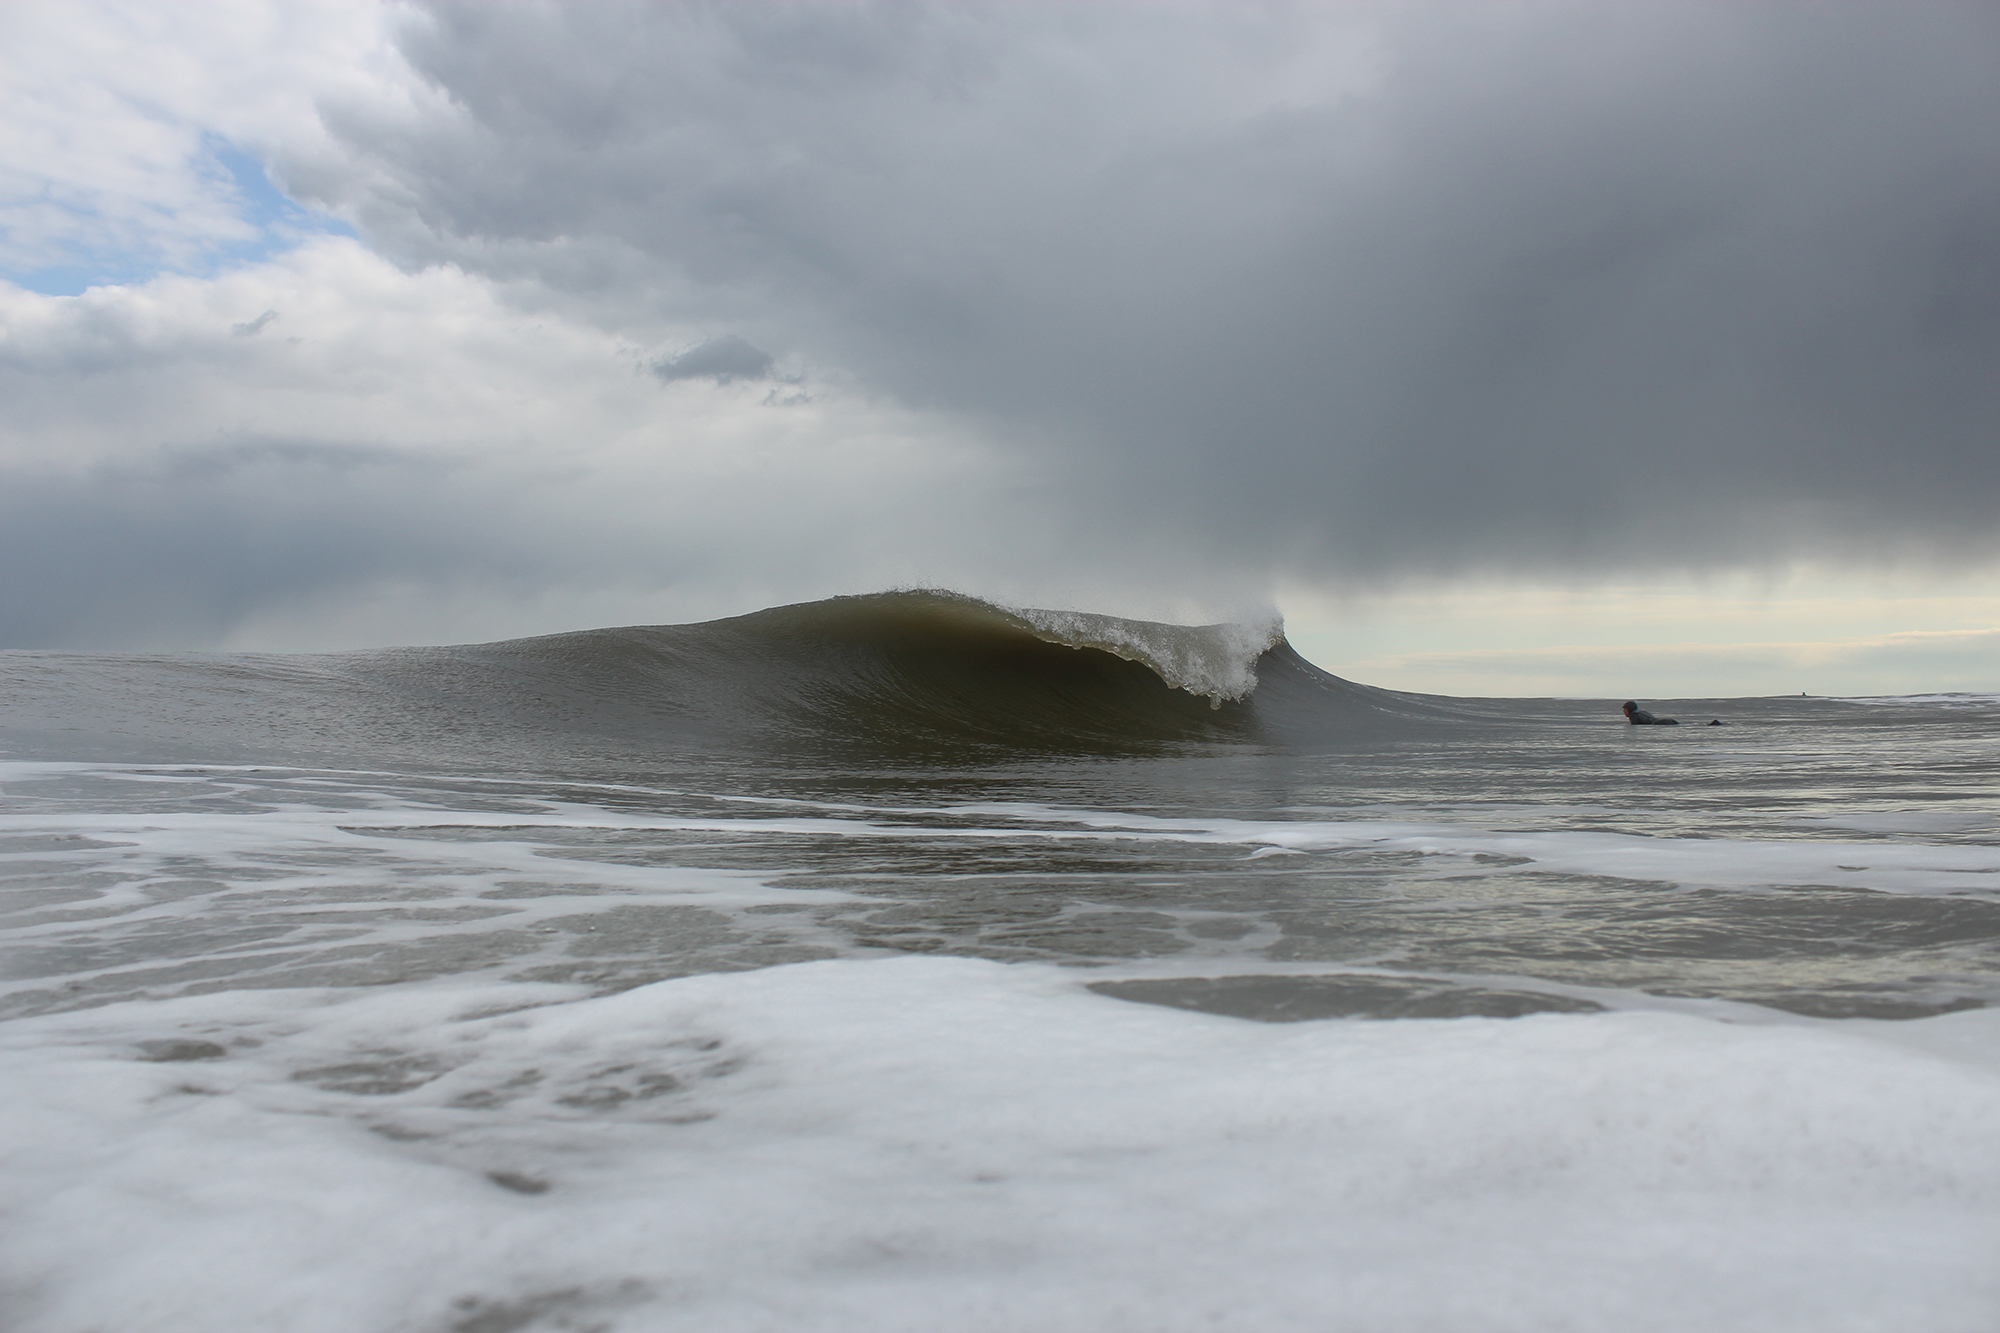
(1508, 348)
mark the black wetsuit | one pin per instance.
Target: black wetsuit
(1639, 717)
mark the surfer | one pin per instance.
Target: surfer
(1639, 717)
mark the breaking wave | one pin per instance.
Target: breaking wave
(1217, 661)
(922, 674)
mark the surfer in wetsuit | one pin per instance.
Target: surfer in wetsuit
(1639, 717)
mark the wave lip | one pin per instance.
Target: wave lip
(1218, 662)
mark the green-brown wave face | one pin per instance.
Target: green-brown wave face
(911, 676)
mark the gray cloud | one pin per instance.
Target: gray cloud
(1343, 291)
(175, 551)
(1145, 308)
(185, 548)
(418, 460)
(722, 360)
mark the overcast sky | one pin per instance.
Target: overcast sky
(343, 325)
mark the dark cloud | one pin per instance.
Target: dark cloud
(174, 552)
(723, 360)
(183, 546)
(1342, 290)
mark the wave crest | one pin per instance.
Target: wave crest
(1217, 662)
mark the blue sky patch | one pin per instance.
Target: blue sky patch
(279, 223)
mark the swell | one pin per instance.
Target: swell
(910, 675)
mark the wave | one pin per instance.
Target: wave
(1217, 661)
(916, 674)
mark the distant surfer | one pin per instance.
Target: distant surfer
(1639, 717)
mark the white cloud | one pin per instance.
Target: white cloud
(170, 481)
(115, 119)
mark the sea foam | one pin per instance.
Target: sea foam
(918, 1143)
(1216, 661)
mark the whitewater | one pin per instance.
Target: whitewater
(907, 962)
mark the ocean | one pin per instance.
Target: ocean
(908, 962)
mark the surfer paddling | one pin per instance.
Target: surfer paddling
(1639, 717)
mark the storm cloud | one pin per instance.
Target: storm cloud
(724, 360)
(1150, 308)
(1348, 290)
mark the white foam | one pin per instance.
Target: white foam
(1216, 661)
(191, 876)
(302, 871)
(919, 1143)
(1726, 863)
(930, 1143)
(1700, 862)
